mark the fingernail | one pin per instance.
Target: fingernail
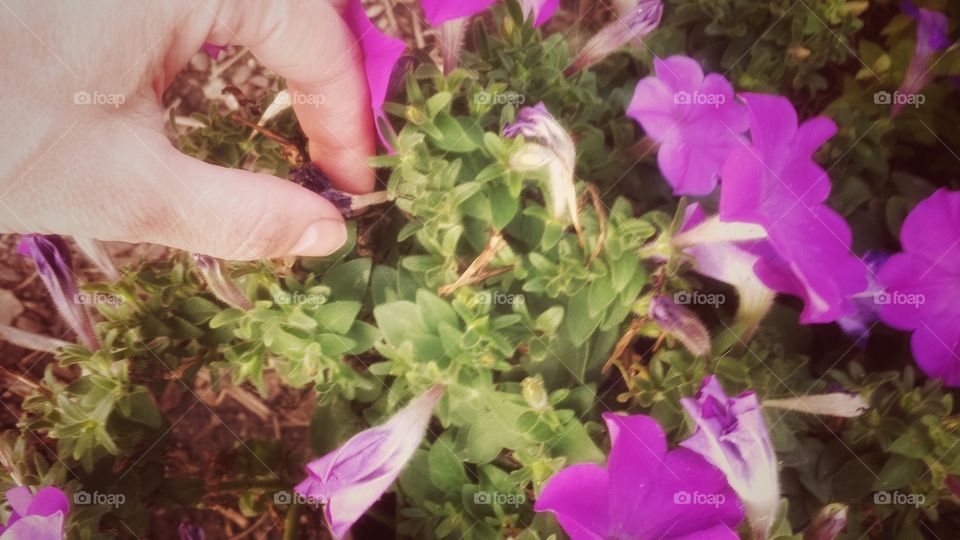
(320, 238)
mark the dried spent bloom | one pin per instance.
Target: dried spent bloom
(548, 145)
(54, 264)
(219, 284)
(732, 434)
(311, 177)
(351, 478)
(693, 118)
(681, 323)
(645, 491)
(189, 531)
(920, 291)
(637, 23)
(931, 38)
(380, 55)
(774, 182)
(35, 516)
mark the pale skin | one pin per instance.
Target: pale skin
(107, 171)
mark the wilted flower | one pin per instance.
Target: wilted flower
(548, 144)
(219, 284)
(35, 516)
(774, 182)
(721, 259)
(539, 10)
(637, 23)
(681, 323)
(351, 478)
(931, 38)
(828, 523)
(920, 285)
(55, 266)
(380, 54)
(645, 491)
(693, 118)
(732, 435)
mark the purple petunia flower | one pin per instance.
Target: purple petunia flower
(55, 266)
(773, 182)
(438, 12)
(380, 55)
(645, 491)
(35, 516)
(351, 478)
(548, 145)
(732, 435)
(920, 285)
(931, 38)
(694, 118)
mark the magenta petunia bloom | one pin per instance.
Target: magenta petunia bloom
(694, 118)
(931, 38)
(539, 10)
(732, 435)
(773, 182)
(351, 478)
(35, 516)
(380, 55)
(55, 266)
(920, 285)
(645, 491)
(438, 12)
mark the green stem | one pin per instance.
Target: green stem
(291, 524)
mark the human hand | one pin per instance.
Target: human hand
(105, 170)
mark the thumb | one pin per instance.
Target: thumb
(241, 215)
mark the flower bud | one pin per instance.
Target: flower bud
(220, 285)
(635, 24)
